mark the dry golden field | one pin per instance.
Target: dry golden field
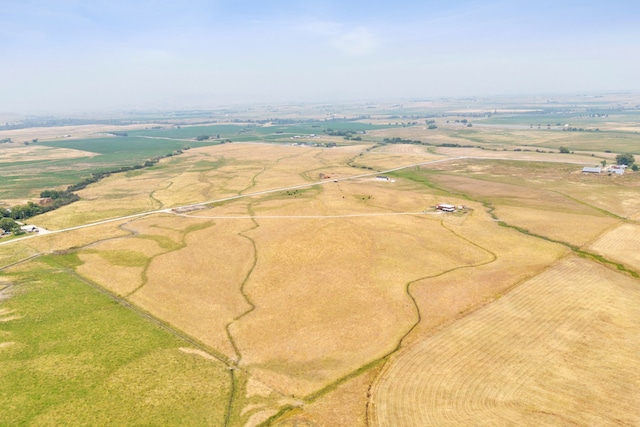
(65, 132)
(510, 258)
(557, 225)
(20, 153)
(579, 159)
(325, 297)
(560, 349)
(200, 292)
(621, 244)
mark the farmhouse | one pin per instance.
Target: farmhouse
(618, 169)
(445, 207)
(29, 228)
(587, 169)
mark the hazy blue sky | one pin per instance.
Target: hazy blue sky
(97, 54)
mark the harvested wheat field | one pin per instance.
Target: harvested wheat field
(510, 258)
(557, 225)
(560, 349)
(622, 244)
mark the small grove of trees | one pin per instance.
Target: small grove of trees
(625, 159)
(8, 224)
(565, 150)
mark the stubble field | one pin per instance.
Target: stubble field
(554, 351)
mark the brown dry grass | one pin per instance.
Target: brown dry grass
(552, 183)
(615, 194)
(119, 279)
(74, 239)
(119, 264)
(21, 153)
(621, 244)
(576, 229)
(532, 155)
(343, 407)
(515, 257)
(197, 287)
(405, 149)
(559, 349)
(509, 194)
(383, 160)
(342, 281)
(59, 132)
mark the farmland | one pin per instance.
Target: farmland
(528, 359)
(274, 280)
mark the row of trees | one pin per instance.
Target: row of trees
(397, 140)
(333, 132)
(65, 197)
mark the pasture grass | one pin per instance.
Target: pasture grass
(79, 357)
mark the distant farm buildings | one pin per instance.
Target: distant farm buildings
(611, 170)
(588, 169)
(618, 169)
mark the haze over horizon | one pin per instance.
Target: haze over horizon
(73, 55)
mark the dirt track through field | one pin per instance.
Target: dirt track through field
(542, 355)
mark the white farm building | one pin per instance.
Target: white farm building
(445, 207)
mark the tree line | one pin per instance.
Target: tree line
(65, 197)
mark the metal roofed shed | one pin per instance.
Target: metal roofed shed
(588, 169)
(444, 207)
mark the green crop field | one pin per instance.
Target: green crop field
(72, 355)
(135, 147)
(23, 179)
